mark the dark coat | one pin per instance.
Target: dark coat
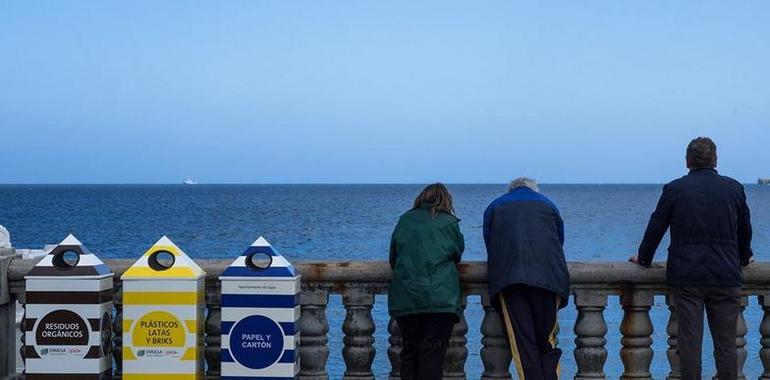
(710, 230)
(524, 235)
(424, 252)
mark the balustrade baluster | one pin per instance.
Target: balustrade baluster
(495, 352)
(359, 334)
(394, 350)
(213, 328)
(457, 351)
(8, 326)
(764, 330)
(637, 329)
(672, 329)
(313, 338)
(590, 332)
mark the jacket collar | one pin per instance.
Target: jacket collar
(427, 206)
(518, 188)
(703, 171)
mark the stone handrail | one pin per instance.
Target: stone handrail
(359, 282)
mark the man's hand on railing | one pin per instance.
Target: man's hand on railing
(635, 259)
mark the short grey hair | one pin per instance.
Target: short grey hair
(524, 181)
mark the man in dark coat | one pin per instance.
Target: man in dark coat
(710, 242)
(527, 275)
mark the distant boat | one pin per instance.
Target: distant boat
(763, 181)
(190, 181)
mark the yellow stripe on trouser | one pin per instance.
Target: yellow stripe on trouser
(512, 338)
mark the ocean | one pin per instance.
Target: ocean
(354, 222)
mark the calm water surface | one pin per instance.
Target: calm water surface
(351, 222)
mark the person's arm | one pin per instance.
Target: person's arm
(393, 249)
(744, 230)
(560, 227)
(459, 241)
(656, 228)
(488, 221)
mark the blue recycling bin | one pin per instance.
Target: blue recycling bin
(260, 311)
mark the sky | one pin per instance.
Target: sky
(380, 91)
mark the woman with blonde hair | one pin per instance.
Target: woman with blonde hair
(425, 296)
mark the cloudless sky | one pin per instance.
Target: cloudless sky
(380, 91)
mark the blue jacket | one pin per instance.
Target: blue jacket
(710, 230)
(524, 235)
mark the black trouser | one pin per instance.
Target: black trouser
(529, 316)
(722, 307)
(424, 340)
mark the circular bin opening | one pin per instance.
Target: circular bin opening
(259, 261)
(66, 259)
(161, 260)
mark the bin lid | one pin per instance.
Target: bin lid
(259, 260)
(70, 258)
(164, 260)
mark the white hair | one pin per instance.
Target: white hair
(524, 181)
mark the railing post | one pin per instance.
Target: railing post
(495, 352)
(637, 329)
(590, 332)
(457, 351)
(394, 349)
(313, 338)
(7, 316)
(764, 330)
(672, 329)
(213, 326)
(358, 328)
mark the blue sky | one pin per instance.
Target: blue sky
(373, 91)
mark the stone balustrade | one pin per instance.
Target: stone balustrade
(358, 283)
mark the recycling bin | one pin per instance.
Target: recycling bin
(68, 318)
(163, 315)
(260, 310)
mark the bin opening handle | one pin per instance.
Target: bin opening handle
(161, 260)
(259, 261)
(66, 259)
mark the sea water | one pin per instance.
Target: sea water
(354, 222)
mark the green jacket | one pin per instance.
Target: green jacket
(424, 252)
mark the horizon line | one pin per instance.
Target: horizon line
(313, 183)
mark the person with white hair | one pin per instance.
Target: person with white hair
(527, 275)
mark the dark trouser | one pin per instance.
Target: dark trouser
(529, 316)
(722, 307)
(424, 341)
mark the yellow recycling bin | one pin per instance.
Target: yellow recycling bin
(163, 301)
(68, 319)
